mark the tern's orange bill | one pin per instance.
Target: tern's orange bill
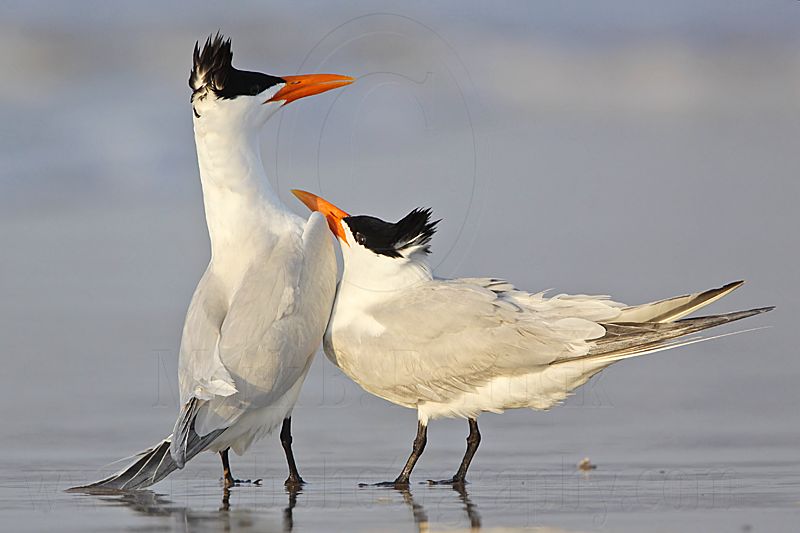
(308, 85)
(333, 214)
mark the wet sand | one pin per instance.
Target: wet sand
(621, 497)
(649, 476)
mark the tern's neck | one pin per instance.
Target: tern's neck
(381, 274)
(239, 200)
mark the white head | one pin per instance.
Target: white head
(226, 96)
(376, 253)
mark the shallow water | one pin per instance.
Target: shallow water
(676, 471)
(759, 496)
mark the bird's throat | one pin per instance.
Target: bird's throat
(238, 197)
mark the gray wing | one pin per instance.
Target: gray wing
(445, 337)
(201, 374)
(275, 324)
(245, 354)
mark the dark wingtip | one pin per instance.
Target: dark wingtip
(734, 284)
(739, 315)
(751, 312)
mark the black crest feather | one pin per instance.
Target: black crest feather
(414, 230)
(212, 68)
(212, 65)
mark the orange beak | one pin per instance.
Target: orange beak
(333, 214)
(308, 85)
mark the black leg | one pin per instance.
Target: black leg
(227, 476)
(473, 441)
(294, 479)
(417, 449)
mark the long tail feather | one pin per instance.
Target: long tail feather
(151, 465)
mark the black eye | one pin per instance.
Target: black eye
(360, 239)
(255, 89)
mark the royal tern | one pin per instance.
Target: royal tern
(459, 347)
(260, 309)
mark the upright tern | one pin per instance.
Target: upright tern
(459, 347)
(259, 312)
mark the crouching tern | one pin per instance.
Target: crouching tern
(260, 309)
(459, 347)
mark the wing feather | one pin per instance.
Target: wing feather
(675, 308)
(201, 373)
(447, 337)
(274, 324)
(437, 340)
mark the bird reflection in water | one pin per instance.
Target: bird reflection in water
(421, 516)
(469, 507)
(237, 519)
(240, 518)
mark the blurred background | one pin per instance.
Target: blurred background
(638, 149)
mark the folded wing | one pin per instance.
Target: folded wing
(447, 337)
(249, 355)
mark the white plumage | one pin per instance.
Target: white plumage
(259, 312)
(459, 347)
(439, 345)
